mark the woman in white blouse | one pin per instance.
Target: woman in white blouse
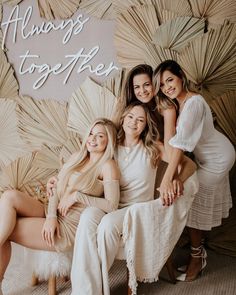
(213, 153)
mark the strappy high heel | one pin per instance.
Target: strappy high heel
(183, 268)
(198, 252)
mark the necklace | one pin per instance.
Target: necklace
(128, 150)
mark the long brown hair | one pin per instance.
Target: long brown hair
(162, 101)
(86, 180)
(149, 136)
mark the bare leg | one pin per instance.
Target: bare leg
(5, 255)
(24, 231)
(14, 203)
(197, 254)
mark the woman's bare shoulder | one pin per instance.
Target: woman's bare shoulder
(110, 170)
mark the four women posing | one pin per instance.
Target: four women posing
(185, 123)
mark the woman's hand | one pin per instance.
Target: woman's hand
(178, 187)
(52, 182)
(167, 192)
(50, 228)
(170, 190)
(66, 203)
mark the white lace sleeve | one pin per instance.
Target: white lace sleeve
(190, 125)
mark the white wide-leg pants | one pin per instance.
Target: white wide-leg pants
(96, 244)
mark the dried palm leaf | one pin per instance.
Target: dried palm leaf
(214, 11)
(48, 157)
(208, 60)
(23, 175)
(98, 8)
(1, 8)
(11, 145)
(109, 9)
(134, 27)
(11, 2)
(42, 122)
(89, 102)
(155, 54)
(8, 84)
(115, 83)
(71, 146)
(180, 7)
(61, 9)
(225, 108)
(119, 6)
(166, 15)
(176, 33)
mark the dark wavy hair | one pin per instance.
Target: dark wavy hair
(128, 95)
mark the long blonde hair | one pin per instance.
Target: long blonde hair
(149, 136)
(85, 181)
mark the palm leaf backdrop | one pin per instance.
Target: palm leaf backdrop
(178, 32)
(115, 83)
(209, 61)
(11, 145)
(8, 84)
(71, 146)
(225, 109)
(23, 175)
(215, 11)
(11, 2)
(61, 9)
(48, 157)
(180, 7)
(89, 102)
(135, 28)
(42, 122)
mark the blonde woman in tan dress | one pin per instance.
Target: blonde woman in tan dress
(89, 178)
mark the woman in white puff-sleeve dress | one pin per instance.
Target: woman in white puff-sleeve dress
(213, 152)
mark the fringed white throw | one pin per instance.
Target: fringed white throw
(150, 232)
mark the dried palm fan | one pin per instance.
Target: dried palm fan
(109, 9)
(225, 108)
(214, 11)
(48, 157)
(89, 102)
(8, 84)
(42, 122)
(23, 175)
(166, 15)
(134, 27)
(155, 54)
(98, 8)
(71, 146)
(1, 15)
(176, 33)
(120, 6)
(115, 83)
(61, 9)
(11, 145)
(209, 60)
(11, 2)
(181, 7)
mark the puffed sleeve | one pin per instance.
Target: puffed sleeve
(190, 125)
(110, 201)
